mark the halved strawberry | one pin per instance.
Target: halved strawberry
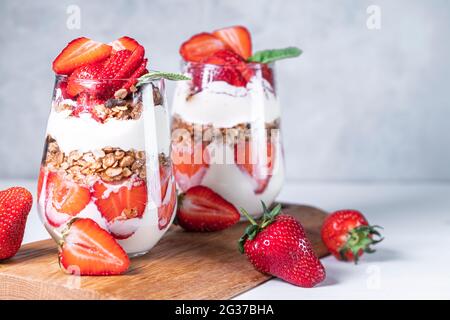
(83, 79)
(65, 199)
(256, 164)
(141, 70)
(201, 209)
(201, 46)
(118, 69)
(190, 164)
(237, 38)
(123, 43)
(78, 52)
(121, 204)
(88, 250)
(40, 181)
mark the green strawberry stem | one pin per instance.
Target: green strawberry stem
(360, 239)
(268, 56)
(254, 227)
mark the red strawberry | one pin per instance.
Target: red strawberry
(86, 103)
(201, 46)
(166, 210)
(267, 73)
(141, 70)
(117, 68)
(190, 164)
(278, 245)
(237, 38)
(15, 204)
(88, 250)
(201, 209)
(119, 204)
(40, 181)
(124, 43)
(347, 235)
(79, 52)
(257, 164)
(233, 68)
(83, 79)
(65, 199)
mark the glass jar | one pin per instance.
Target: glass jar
(226, 133)
(108, 160)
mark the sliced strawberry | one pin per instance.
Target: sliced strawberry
(83, 79)
(40, 181)
(65, 199)
(124, 43)
(201, 46)
(201, 209)
(141, 70)
(121, 205)
(166, 210)
(267, 73)
(233, 68)
(86, 104)
(88, 250)
(237, 38)
(190, 165)
(257, 165)
(79, 52)
(118, 68)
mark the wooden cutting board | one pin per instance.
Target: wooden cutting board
(183, 265)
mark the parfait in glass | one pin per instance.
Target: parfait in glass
(226, 120)
(107, 146)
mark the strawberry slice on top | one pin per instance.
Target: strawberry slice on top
(88, 250)
(255, 164)
(238, 38)
(201, 209)
(201, 46)
(124, 43)
(79, 52)
(83, 79)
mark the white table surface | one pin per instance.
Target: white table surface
(413, 262)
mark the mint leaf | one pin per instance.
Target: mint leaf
(156, 75)
(267, 56)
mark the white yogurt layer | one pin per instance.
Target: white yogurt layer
(86, 134)
(237, 187)
(224, 105)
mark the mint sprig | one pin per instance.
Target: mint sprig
(157, 75)
(267, 56)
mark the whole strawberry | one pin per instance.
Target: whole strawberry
(347, 235)
(15, 204)
(278, 246)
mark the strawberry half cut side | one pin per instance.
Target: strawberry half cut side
(79, 52)
(121, 205)
(65, 199)
(201, 46)
(238, 38)
(190, 165)
(88, 250)
(255, 164)
(201, 209)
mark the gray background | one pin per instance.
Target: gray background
(359, 104)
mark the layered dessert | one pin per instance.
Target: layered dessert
(107, 150)
(226, 120)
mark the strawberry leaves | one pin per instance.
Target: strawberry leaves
(268, 56)
(254, 228)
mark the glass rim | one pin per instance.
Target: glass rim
(251, 65)
(66, 77)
